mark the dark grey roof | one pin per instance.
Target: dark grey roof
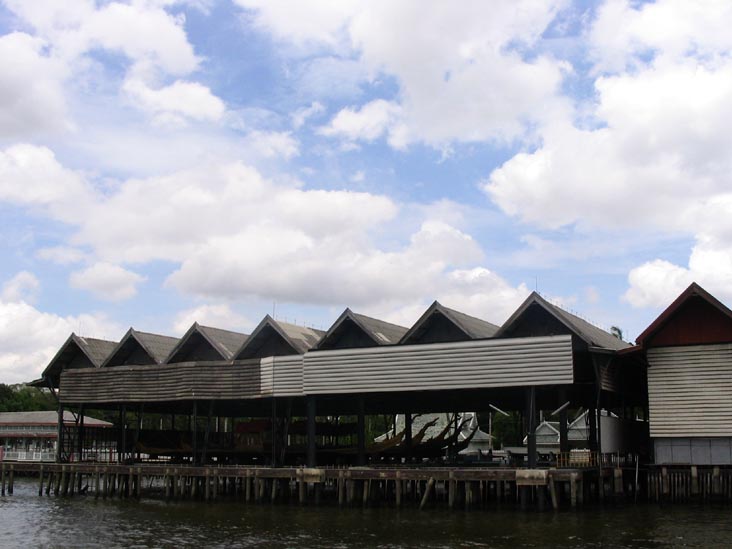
(227, 341)
(224, 342)
(95, 350)
(384, 333)
(157, 347)
(472, 327)
(44, 418)
(300, 338)
(589, 333)
(380, 332)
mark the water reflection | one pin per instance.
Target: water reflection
(27, 520)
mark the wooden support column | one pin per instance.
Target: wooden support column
(531, 427)
(563, 423)
(123, 426)
(408, 434)
(194, 431)
(361, 459)
(60, 434)
(311, 454)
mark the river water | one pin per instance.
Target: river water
(27, 520)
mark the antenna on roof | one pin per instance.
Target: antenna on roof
(274, 307)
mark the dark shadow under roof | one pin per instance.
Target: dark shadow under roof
(378, 331)
(587, 332)
(156, 347)
(297, 339)
(84, 352)
(472, 327)
(221, 343)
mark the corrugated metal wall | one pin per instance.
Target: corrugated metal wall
(167, 382)
(464, 365)
(282, 375)
(690, 391)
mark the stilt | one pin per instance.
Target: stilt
(2, 478)
(553, 493)
(427, 492)
(11, 480)
(341, 489)
(398, 489)
(452, 489)
(40, 481)
(573, 489)
(97, 476)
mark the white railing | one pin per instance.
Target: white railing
(17, 455)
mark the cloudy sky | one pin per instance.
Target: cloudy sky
(167, 161)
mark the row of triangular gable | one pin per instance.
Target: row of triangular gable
(274, 337)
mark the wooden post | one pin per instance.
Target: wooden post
(2, 477)
(97, 474)
(694, 481)
(553, 493)
(248, 488)
(40, 481)
(311, 409)
(427, 492)
(408, 434)
(194, 431)
(398, 489)
(59, 433)
(50, 481)
(563, 423)
(531, 426)
(618, 481)
(341, 489)
(366, 485)
(573, 489)
(361, 458)
(452, 488)
(11, 480)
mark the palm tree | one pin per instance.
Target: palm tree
(617, 332)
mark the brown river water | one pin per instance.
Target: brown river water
(27, 520)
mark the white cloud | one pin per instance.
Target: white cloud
(31, 87)
(460, 72)
(368, 123)
(300, 116)
(176, 102)
(267, 144)
(61, 255)
(219, 316)
(107, 281)
(656, 283)
(24, 286)
(29, 338)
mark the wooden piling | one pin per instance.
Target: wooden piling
(40, 481)
(553, 493)
(398, 489)
(341, 488)
(427, 492)
(97, 475)
(11, 480)
(2, 478)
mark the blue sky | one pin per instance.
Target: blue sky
(167, 161)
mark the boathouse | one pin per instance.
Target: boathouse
(285, 393)
(689, 353)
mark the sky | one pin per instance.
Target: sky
(164, 162)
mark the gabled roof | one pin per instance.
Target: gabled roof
(157, 347)
(380, 332)
(223, 342)
(94, 350)
(589, 333)
(49, 418)
(299, 339)
(693, 291)
(472, 327)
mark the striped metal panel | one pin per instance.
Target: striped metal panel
(282, 375)
(690, 391)
(166, 382)
(465, 365)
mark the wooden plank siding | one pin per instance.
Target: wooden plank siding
(474, 364)
(166, 382)
(690, 391)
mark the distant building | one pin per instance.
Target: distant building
(32, 436)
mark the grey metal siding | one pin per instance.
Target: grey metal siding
(690, 391)
(464, 365)
(282, 375)
(693, 451)
(167, 382)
